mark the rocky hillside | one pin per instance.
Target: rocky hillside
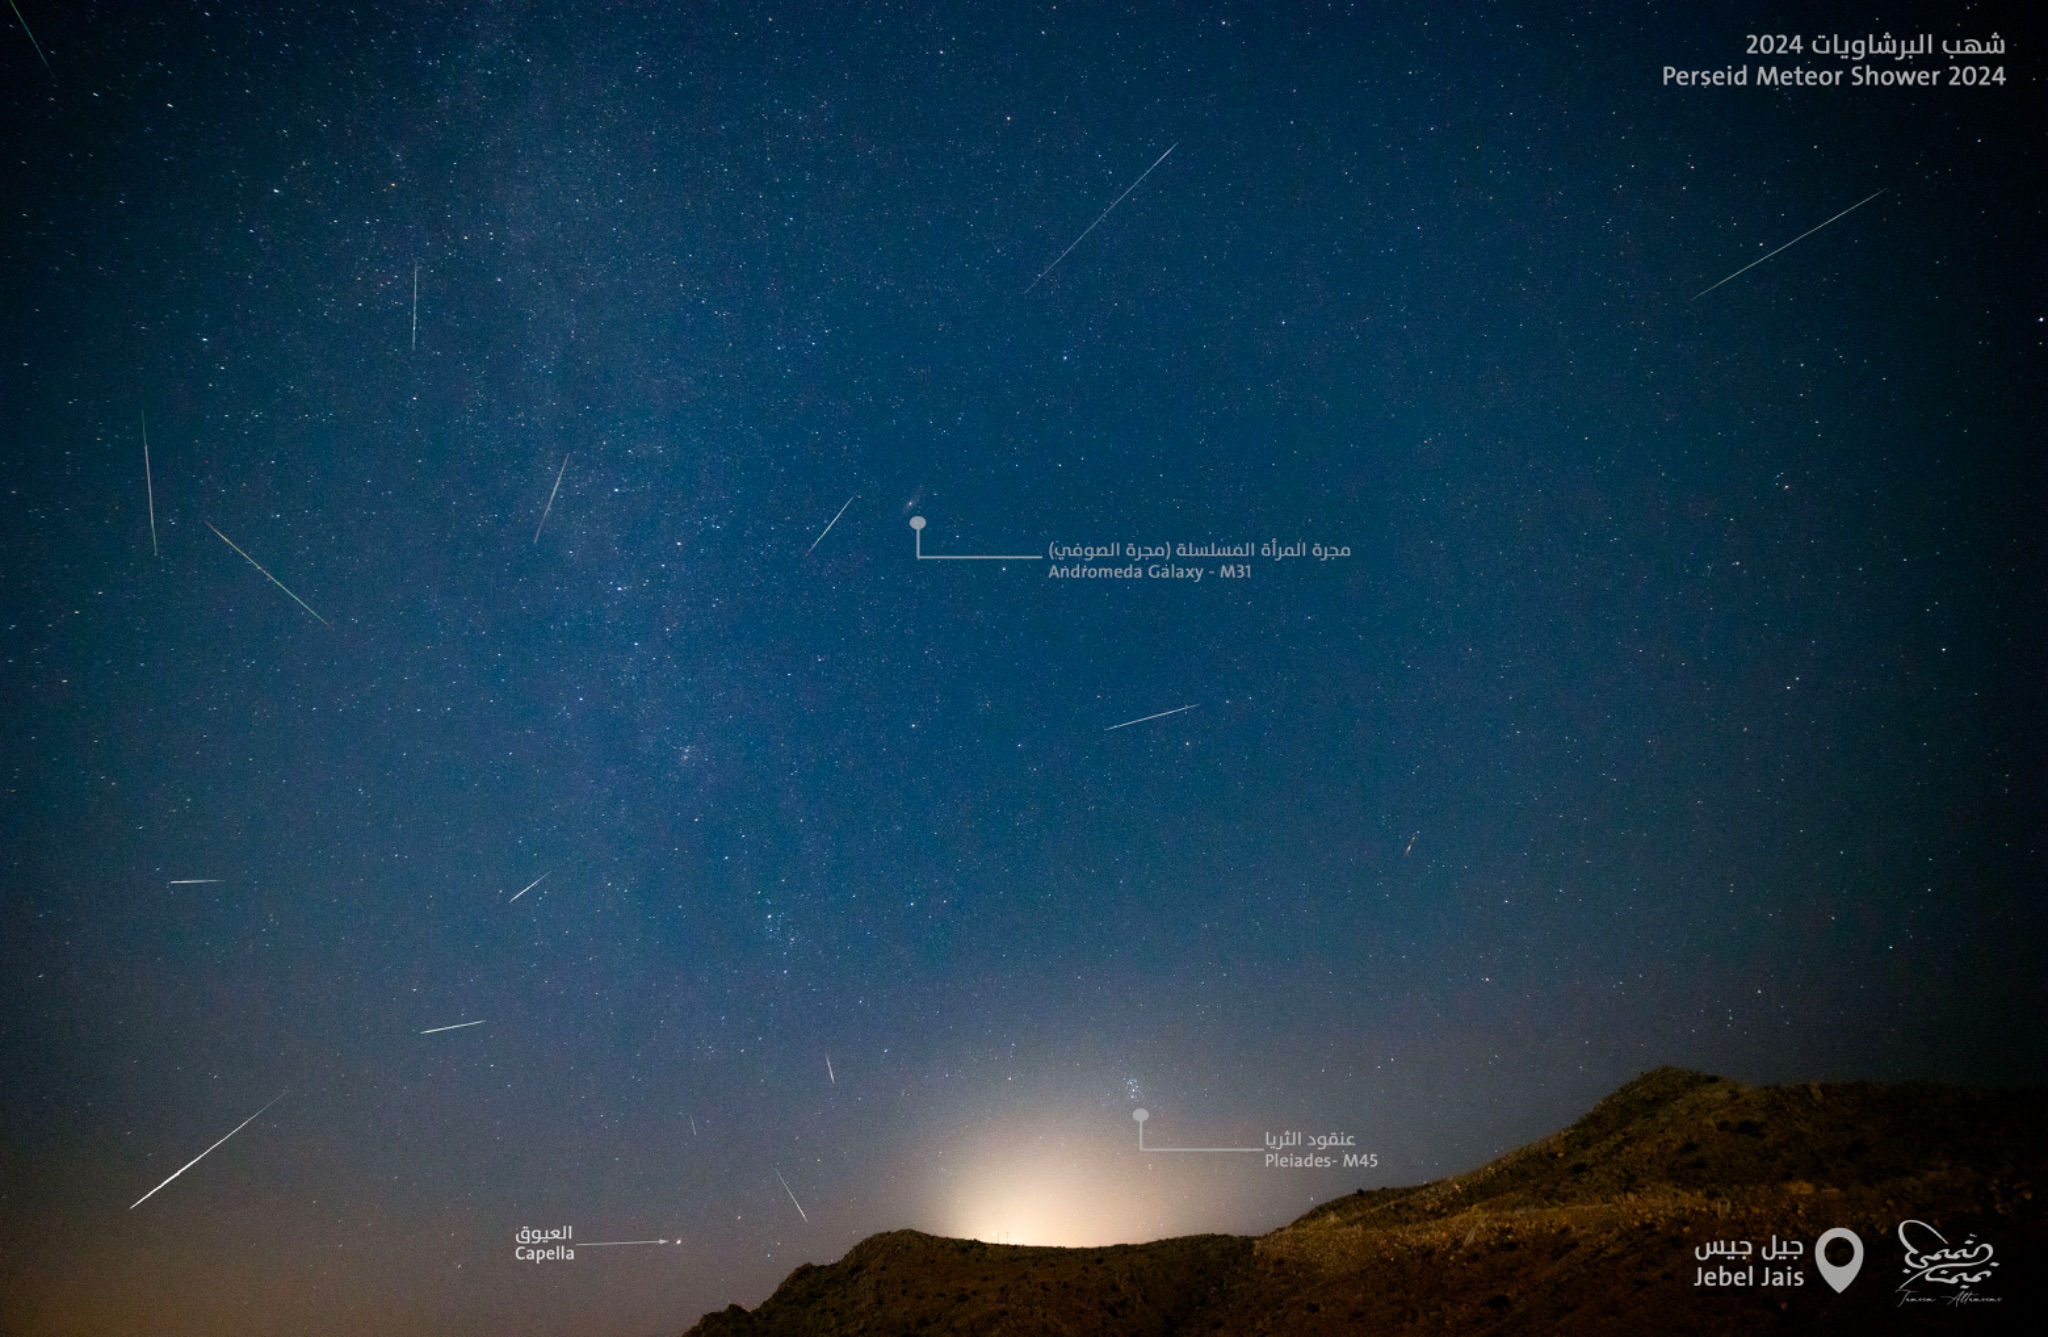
(1591, 1230)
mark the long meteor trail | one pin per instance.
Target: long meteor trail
(1141, 719)
(828, 528)
(32, 39)
(272, 579)
(150, 483)
(1104, 214)
(792, 1197)
(551, 499)
(1790, 244)
(529, 887)
(458, 1026)
(208, 1152)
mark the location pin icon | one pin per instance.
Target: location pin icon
(1838, 1275)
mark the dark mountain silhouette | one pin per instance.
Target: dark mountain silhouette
(1591, 1230)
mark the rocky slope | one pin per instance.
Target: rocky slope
(1591, 1230)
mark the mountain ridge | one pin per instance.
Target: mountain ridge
(1593, 1229)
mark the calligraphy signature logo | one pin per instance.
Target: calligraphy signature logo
(1932, 1260)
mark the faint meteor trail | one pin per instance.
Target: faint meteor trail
(1790, 244)
(1141, 719)
(551, 499)
(792, 1197)
(460, 1025)
(828, 1070)
(1099, 217)
(828, 528)
(416, 311)
(32, 39)
(208, 1152)
(267, 576)
(150, 483)
(529, 887)
(193, 881)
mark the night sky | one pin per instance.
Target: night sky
(1675, 696)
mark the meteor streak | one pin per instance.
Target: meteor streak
(792, 1197)
(551, 498)
(208, 1152)
(150, 483)
(529, 887)
(193, 881)
(272, 579)
(1141, 719)
(828, 528)
(1790, 244)
(32, 39)
(460, 1025)
(1099, 217)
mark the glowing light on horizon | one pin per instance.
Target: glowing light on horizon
(1071, 1178)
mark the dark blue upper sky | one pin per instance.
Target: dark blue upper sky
(1678, 700)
